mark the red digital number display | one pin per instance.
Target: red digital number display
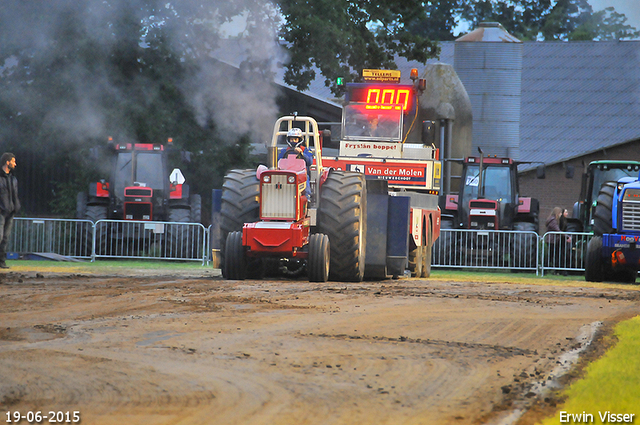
(383, 97)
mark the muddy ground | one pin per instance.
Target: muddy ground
(193, 349)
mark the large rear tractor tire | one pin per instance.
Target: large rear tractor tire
(602, 218)
(81, 205)
(594, 267)
(524, 246)
(240, 204)
(342, 212)
(235, 264)
(195, 201)
(84, 231)
(179, 243)
(102, 230)
(319, 258)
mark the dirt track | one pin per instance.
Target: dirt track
(196, 350)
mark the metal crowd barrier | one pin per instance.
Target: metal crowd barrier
(150, 240)
(515, 250)
(455, 248)
(564, 251)
(71, 238)
(493, 249)
(110, 239)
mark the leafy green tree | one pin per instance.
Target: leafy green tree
(441, 21)
(341, 38)
(603, 25)
(520, 17)
(549, 20)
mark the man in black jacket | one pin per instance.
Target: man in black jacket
(9, 203)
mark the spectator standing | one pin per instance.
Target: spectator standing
(564, 226)
(557, 242)
(562, 222)
(9, 203)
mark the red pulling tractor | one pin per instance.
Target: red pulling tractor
(351, 228)
(285, 216)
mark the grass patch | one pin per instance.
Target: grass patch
(107, 266)
(102, 266)
(499, 276)
(612, 383)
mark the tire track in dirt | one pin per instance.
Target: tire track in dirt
(166, 350)
(499, 350)
(80, 379)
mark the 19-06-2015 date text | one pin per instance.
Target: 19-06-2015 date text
(38, 417)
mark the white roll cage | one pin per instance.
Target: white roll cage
(309, 132)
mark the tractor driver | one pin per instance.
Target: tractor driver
(295, 146)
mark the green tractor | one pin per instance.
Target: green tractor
(596, 174)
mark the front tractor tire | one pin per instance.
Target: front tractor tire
(235, 264)
(195, 213)
(342, 212)
(240, 204)
(319, 258)
(594, 267)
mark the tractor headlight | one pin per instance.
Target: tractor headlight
(266, 179)
(291, 179)
(620, 186)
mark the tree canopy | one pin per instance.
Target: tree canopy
(546, 20)
(342, 37)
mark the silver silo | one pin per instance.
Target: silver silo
(488, 60)
(445, 101)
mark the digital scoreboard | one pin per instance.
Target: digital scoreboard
(382, 96)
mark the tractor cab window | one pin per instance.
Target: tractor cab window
(360, 123)
(610, 175)
(496, 182)
(149, 171)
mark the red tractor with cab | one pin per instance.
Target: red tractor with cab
(140, 188)
(489, 200)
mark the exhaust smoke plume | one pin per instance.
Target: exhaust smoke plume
(58, 63)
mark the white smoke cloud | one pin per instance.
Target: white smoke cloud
(237, 101)
(245, 101)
